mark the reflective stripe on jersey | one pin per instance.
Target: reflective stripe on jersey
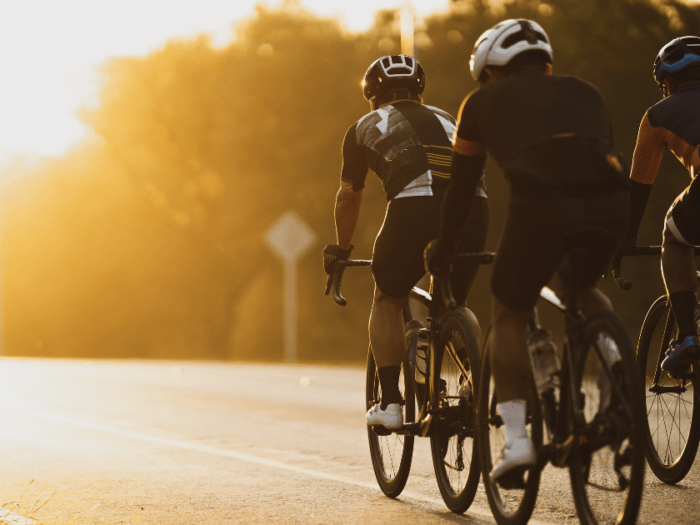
(672, 122)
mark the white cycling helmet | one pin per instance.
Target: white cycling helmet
(498, 45)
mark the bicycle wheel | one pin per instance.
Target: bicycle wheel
(452, 442)
(513, 505)
(673, 413)
(606, 465)
(391, 453)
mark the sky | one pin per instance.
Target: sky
(51, 51)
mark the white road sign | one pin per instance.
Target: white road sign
(289, 237)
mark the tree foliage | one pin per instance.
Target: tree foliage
(147, 240)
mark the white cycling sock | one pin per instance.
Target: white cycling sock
(513, 414)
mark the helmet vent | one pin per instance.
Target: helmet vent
(520, 36)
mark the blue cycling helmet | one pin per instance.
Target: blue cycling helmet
(676, 56)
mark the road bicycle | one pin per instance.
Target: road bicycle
(672, 432)
(446, 401)
(591, 423)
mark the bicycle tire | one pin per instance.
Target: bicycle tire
(669, 459)
(391, 453)
(607, 464)
(452, 438)
(509, 506)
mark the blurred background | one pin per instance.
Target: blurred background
(137, 229)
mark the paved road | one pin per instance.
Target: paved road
(182, 442)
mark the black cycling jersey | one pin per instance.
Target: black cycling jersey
(543, 131)
(552, 138)
(407, 144)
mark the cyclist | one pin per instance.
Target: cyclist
(673, 122)
(551, 136)
(408, 145)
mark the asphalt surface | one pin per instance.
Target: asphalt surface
(191, 442)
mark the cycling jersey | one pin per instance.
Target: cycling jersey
(407, 144)
(545, 132)
(552, 138)
(672, 123)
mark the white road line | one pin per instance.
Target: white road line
(234, 455)
(8, 517)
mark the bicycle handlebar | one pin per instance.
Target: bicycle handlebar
(445, 281)
(623, 283)
(335, 280)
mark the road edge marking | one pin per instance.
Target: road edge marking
(8, 517)
(242, 456)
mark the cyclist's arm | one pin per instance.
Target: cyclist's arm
(468, 162)
(352, 183)
(347, 213)
(645, 165)
(468, 159)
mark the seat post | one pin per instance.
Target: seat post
(572, 294)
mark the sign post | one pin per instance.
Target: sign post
(290, 237)
(407, 23)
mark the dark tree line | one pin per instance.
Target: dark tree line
(147, 240)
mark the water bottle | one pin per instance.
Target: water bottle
(611, 354)
(544, 360)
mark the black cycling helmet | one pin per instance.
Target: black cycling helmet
(393, 72)
(675, 57)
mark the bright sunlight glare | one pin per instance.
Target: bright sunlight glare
(50, 53)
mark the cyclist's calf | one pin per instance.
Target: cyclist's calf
(510, 355)
(386, 330)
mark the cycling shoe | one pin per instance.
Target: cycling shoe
(520, 455)
(391, 418)
(680, 355)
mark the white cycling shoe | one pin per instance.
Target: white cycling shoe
(517, 456)
(391, 418)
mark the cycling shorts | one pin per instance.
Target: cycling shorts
(409, 225)
(683, 218)
(532, 245)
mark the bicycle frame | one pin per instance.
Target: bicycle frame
(670, 319)
(429, 408)
(422, 425)
(565, 430)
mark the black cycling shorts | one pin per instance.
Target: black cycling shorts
(409, 225)
(532, 246)
(683, 218)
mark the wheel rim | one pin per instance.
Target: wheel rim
(388, 449)
(457, 399)
(669, 414)
(604, 471)
(508, 501)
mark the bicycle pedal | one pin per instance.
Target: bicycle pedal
(381, 430)
(684, 374)
(514, 479)
(562, 451)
